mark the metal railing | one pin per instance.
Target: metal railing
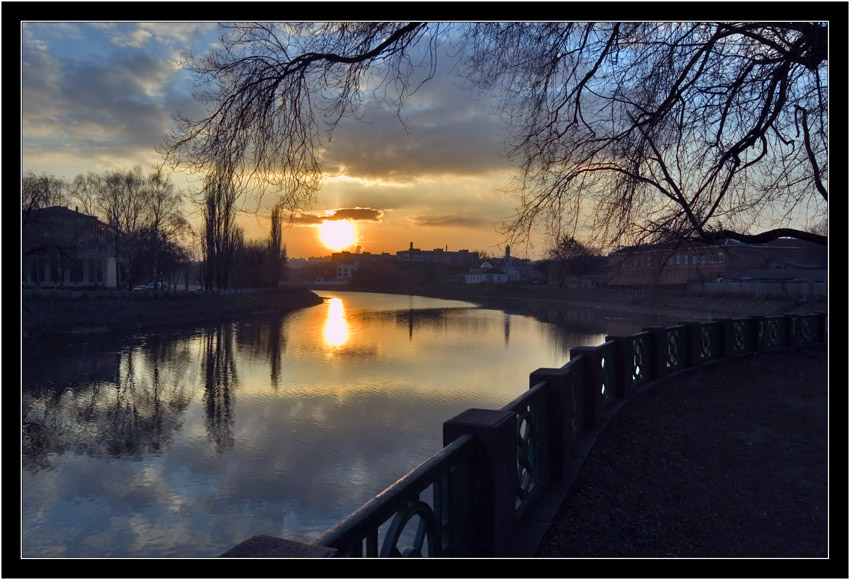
(481, 494)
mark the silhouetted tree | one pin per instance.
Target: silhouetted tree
(619, 130)
(571, 258)
(220, 233)
(38, 191)
(275, 250)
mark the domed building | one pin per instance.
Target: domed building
(485, 274)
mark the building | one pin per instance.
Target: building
(344, 272)
(688, 263)
(438, 256)
(63, 248)
(486, 274)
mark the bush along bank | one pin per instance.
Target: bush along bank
(67, 312)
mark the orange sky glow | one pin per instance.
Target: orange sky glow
(102, 96)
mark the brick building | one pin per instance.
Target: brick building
(683, 264)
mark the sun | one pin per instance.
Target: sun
(337, 234)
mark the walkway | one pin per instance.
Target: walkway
(727, 461)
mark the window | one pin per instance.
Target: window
(54, 270)
(686, 258)
(720, 257)
(711, 258)
(678, 259)
(703, 258)
(40, 266)
(76, 271)
(96, 271)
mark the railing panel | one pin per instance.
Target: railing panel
(806, 329)
(642, 353)
(404, 520)
(607, 369)
(742, 335)
(709, 337)
(676, 347)
(772, 333)
(533, 453)
(576, 386)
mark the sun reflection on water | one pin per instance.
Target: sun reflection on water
(336, 327)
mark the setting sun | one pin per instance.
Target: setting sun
(337, 234)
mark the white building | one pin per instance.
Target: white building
(344, 272)
(486, 274)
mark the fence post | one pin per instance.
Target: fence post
(786, 334)
(658, 366)
(794, 334)
(591, 363)
(494, 473)
(822, 327)
(758, 333)
(623, 364)
(693, 343)
(726, 337)
(560, 416)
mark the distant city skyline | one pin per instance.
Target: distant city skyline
(101, 96)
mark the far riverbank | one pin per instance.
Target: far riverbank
(62, 315)
(656, 306)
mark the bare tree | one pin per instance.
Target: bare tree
(220, 233)
(38, 191)
(165, 219)
(693, 129)
(273, 90)
(275, 250)
(85, 192)
(700, 130)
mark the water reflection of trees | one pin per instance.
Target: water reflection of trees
(568, 328)
(131, 409)
(124, 397)
(220, 379)
(265, 335)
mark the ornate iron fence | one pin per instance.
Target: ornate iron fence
(404, 521)
(479, 495)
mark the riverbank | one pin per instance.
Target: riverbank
(654, 306)
(43, 316)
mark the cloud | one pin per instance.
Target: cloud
(443, 131)
(87, 107)
(352, 213)
(450, 221)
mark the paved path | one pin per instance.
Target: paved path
(728, 461)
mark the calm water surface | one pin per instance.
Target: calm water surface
(185, 442)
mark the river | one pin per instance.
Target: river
(185, 442)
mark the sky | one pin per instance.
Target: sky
(101, 96)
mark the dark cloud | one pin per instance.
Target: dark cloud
(356, 213)
(451, 221)
(443, 130)
(351, 213)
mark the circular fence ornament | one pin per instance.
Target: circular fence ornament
(672, 349)
(739, 335)
(426, 530)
